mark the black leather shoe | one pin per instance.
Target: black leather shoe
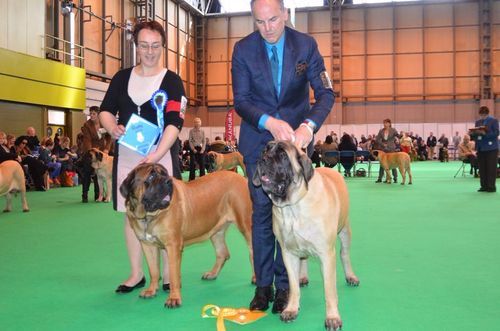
(378, 181)
(280, 301)
(127, 289)
(166, 287)
(85, 199)
(482, 190)
(263, 295)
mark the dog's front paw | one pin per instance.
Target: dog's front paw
(333, 324)
(352, 280)
(173, 302)
(209, 276)
(148, 293)
(288, 316)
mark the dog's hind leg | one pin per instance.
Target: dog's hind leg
(8, 202)
(151, 253)
(403, 174)
(23, 200)
(221, 253)
(410, 177)
(345, 257)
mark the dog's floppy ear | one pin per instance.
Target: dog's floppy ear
(307, 167)
(128, 184)
(158, 189)
(98, 156)
(256, 176)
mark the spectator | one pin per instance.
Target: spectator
(467, 154)
(328, 146)
(386, 141)
(197, 148)
(347, 144)
(431, 143)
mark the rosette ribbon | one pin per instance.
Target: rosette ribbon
(237, 315)
(158, 102)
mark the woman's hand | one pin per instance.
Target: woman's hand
(118, 131)
(152, 157)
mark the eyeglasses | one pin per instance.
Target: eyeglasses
(145, 46)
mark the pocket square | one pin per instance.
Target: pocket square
(300, 68)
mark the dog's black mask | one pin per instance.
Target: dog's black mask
(157, 187)
(275, 171)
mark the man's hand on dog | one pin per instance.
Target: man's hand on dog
(281, 130)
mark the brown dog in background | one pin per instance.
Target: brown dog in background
(226, 161)
(11, 181)
(395, 160)
(103, 166)
(167, 213)
(310, 209)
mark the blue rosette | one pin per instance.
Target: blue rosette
(158, 102)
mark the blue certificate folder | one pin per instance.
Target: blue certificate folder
(140, 135)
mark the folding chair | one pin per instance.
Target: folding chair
(461, 169)
(365, 155)
(348, 155)
(333, 154)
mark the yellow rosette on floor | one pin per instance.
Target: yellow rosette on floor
(237, 315)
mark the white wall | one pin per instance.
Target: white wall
(22, 26)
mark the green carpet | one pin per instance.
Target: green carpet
(427, 256)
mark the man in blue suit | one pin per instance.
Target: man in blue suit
(485, 135)
(272, 70)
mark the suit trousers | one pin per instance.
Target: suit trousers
(267, 258)
(488, 168)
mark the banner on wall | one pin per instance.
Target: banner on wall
(229, 133)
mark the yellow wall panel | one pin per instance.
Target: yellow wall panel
(353, 67)
(410, 87)
(438, 86)
(182, 19)
(467, 38)
(353, 89)
(172, 61)
(217, 95)
(353, 19)
(172, 12)
(217, 27)
(217, 73)
(409, 66)
(323, 40)
(379, 18)
(93, 61)
(379, 66)
(379, 42)
(466, 13)
(467, 64)
(467, 86)
(217, 50)
(172, 38)
(240, 26)
(409, 40)
(438, 39)
(438, 15)
(495, 36)
(409, 16)
(353, 43)
(319, 21)
(439, 65)
(379, 88)
(302, 21)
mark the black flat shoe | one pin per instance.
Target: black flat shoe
(263, 295)
(378, 181)
(127, 289)
(166, 287)
(280, 301)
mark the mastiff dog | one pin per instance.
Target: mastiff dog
(12, 181)
(103, 166)
(226, 161)
(167, 213)
(310, 208)
(394, 160)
